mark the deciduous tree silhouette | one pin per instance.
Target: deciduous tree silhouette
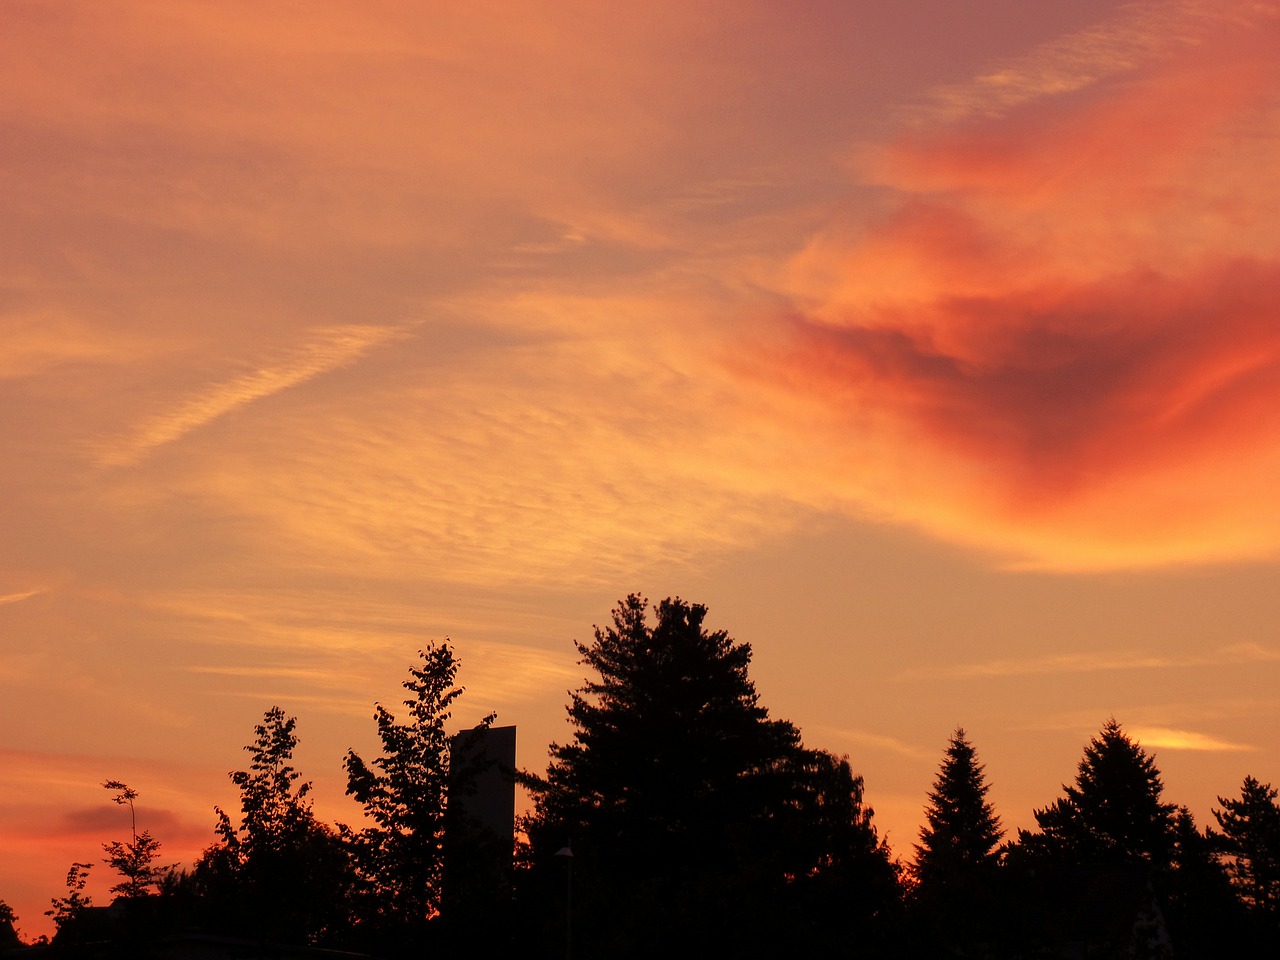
(688, 808)
(400, 855)
(68, 909)
(135, 861)
(278, 873)
(9, 938)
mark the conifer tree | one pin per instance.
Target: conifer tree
(685, 803)
(1249, 845)
(958, 843)
(1102, 869)
(1114, 813)
(954, 898)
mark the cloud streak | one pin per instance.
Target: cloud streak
(1098, 663)
(874, 741)
(330, 349)
(1171, 739)
(1138, 33)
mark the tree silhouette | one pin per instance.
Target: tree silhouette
(957, 856)
(9, 938)
(400, 855)
(68, 909)
(279, 873)
(1249, 845)
(682, 799)
(1114, 813)
(135, 861)
(1100, 870)
(1205, 918)
(958, 843)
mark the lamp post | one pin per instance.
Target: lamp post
(567, 853)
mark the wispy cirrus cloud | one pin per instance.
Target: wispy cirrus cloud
(329, 349)
(1107, 662)
(1136, 34)
(874, 741)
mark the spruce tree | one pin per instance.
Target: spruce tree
(954, 897)
(693, 816)
(958, 845)
(1102, 869)
(1113, 814)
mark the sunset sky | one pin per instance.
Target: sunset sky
(934, 346)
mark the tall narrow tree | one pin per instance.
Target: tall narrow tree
(279, 872)
(135, 861)
(404, 792)
(958, 844)
(954, 895)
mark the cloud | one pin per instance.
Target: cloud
(875, 741)
(330, 349)
(108, 821)
(19, 597)
(1170, 739)
(1059, 341)
(1099, 663)
(1137, 33)
(495, 673)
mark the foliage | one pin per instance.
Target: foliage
(278, 873)
(134, 861)
(958, 844)
(68, 908)
(1113, 814)
(274, 812)
(682, 798)
(1249, 844)
(954, 895)
(1203, 915)
(399, 856)
(1102, 869)
(8, 927)
(671, 731)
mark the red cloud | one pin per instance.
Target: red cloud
(1064, 339)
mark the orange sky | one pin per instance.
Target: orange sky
(932, 345)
